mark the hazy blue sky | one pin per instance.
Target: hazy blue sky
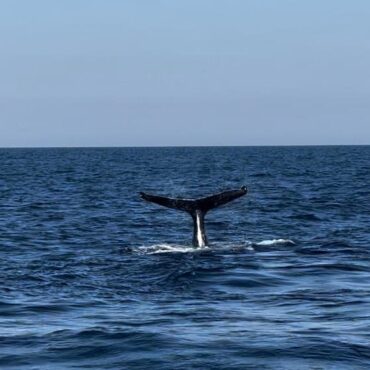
(184, 72)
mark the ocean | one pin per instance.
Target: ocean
(93, 277)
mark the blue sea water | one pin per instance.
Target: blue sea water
(92, 277)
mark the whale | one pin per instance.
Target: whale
(197, 208)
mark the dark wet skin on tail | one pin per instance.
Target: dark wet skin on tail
(197, 208)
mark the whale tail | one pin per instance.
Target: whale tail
(197, 208)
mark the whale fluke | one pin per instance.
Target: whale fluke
(197, 208)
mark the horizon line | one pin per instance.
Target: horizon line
(175, 146)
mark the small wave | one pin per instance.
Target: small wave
(306, 217)
(261, 174)
(276, 242)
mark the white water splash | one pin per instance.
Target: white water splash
(177, 248)
(276, 242)
(168, 248)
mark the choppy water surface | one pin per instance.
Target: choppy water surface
(92, 277)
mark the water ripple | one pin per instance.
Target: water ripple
(92, 278)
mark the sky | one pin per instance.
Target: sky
(184, 72)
